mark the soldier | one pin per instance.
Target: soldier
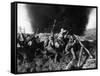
(70, 44)
(61, 34)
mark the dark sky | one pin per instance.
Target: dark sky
(72, 17)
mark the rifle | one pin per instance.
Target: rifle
(52, 30)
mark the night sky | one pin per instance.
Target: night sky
(72, 18)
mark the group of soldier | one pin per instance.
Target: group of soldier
(54, 46)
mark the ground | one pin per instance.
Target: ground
(44, 63)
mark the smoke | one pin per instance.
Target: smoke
(42, 16)
(72, 18)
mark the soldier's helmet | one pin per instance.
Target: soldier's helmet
(51, 37)
(62, 30)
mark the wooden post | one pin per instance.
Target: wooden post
(83, 46)
(80, 55)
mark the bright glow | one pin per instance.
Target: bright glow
(23, 19)
(92, 19)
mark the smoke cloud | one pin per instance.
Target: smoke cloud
(72, 18)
